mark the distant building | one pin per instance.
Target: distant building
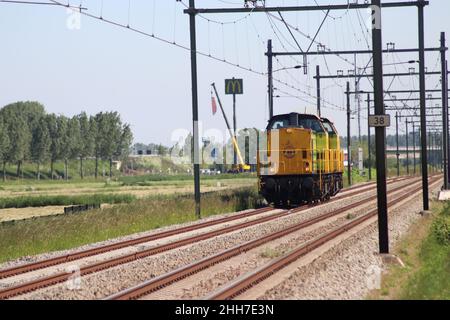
(345, 157)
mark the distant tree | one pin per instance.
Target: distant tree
(87, 140)
(40, 145)
(162, 150)
(30, 111)
(21, 118)
(125, 142)
(4, 146)
(52, 125)
(63, 143)
(20, 138)
(97, 147)
(28, 133)
(110, 131)
(74, 142)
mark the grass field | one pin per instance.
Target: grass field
(54, 233)
(64, 200)
(139, 186)
(29, 170)
(48, 196)
(425, 252)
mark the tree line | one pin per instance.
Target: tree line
(28, 133)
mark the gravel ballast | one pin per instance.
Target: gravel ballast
(350, 270)
(105, 283)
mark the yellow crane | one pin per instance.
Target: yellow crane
(242, 166)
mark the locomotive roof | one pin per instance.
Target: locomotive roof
(302, 115)
(327, 120)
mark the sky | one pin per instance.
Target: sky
(73, 64)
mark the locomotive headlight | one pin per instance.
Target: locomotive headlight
(307, 166)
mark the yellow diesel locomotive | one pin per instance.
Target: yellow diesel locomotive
(303, 161)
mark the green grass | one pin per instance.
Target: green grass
(29, 170)
(63, 200)
(146, 180)
(432, 280)
(356, 177)
(54, 233)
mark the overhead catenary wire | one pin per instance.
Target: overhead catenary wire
(208, 53)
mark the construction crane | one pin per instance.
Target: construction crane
(242, 166)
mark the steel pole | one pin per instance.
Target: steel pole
(433, 151)
(357, 103)
(196, 158)
(349, 138)
(396, 138)
(446, 127)
(414, 147)
(423, 110)
(380, 132)
(444, 110)
(441, 150)
(318, 91)
(270, 76)
(430, 152)
(234, 127)
(407, 148)
(368, 137)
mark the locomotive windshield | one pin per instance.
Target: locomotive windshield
(295, 120)
(328, 127)
(312, 124)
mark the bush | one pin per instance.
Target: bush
(441, 230)
(43, 201)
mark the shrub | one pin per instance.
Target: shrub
(441, 230)
(62, 200)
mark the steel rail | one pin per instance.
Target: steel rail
(185, 271)
(119, 245)
(241, 285)
(25, 268)
(89, 269)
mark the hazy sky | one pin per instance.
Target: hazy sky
(104, 67)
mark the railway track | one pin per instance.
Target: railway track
(249, 280)
(167, 279)
(9, 272)
(61, 277)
